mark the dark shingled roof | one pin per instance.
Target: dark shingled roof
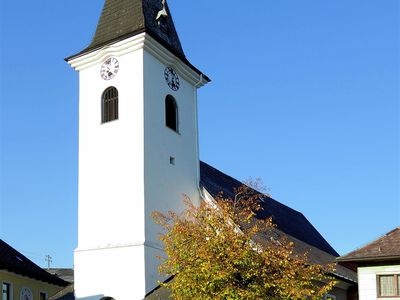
(121, 19)
(385, 248)
(66, 293)
(66, 274)
(13, 261)
(315, 255)
(287, 219)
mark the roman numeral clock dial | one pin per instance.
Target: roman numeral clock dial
(109, 68)
(171, 78)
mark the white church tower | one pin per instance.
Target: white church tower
(138, 146)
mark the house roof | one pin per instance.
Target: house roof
(288, 220)
(13, 261)
(66, 293)
(385, 248)
(66, 274)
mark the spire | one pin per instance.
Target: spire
(121, 19)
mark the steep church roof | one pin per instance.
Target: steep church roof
(288, 220)
(121, 19)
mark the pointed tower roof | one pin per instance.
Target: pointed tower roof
(121, 19)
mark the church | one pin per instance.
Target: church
(139, 152)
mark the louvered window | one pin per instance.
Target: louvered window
(109, 105)
(171, 113)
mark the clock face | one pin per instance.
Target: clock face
(109, 68)
(25, 294)
(171, 78)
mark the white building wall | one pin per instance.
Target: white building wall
(113, 272)
(165, 183)
(367, 280)
(124, 167)
(111, 182)
(109, 259)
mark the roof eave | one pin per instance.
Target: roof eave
(142, 38)
(342, 278)
(90, 48)
(370, 258)
(54, 281)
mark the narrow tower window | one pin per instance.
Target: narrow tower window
(171, 113)
(109, 105)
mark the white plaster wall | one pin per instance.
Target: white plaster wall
(125, 174)
(367, 284)
(109, 260)
(114, 272)
(165, 184)
(111, 183)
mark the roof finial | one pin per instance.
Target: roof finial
(162, 13)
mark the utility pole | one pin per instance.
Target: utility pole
(49, 260)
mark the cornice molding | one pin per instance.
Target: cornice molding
(118, 49)
(141, 41)
(118, 246)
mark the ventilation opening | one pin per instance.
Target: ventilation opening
(172, 160)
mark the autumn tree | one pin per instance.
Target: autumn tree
(219, 250)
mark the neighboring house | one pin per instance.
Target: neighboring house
(139, 153)
(66, 274)
(65, 294)
(378, 267)
(21, 279)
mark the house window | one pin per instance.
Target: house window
(6, 291)
(171, 113)
(42, 296)
(109, 105)
(388, 285)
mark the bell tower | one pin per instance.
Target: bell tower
(138, 146)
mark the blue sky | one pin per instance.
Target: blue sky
(305, 95)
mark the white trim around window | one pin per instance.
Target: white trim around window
(10, 286)
(43, 293)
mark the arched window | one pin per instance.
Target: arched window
(171, 113)
(107, 298)
(109, 105)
